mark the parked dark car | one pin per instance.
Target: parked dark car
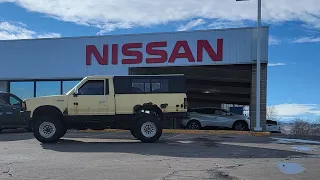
(12, 115)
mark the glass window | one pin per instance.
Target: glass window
(160, 85)
(68, 85)
(47, 88)
(22, 89)
(140, 85)
(14, 101)
(221, 112)
(92, 87)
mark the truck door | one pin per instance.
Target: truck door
(10, 111)
(91, 99)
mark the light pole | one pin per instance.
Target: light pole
(258, 124)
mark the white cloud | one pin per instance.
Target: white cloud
(49, 35)
(276, 64)
(113, 14)
(274, 40)
(221, 24)
(305, 40)
(191, 24)
(19, 30)
(297, 109)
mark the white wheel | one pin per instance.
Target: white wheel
(47, 129)
(148, 129)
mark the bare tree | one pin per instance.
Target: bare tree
(305, 127)
(315, 128)
(272, 113)
(301, 127)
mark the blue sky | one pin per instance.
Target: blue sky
(294, 65)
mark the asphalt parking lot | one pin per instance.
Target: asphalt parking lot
(118, 156)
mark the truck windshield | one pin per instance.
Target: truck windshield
(69, 92)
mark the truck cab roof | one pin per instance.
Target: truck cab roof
(111, 76)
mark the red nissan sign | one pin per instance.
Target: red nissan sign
(135, 52)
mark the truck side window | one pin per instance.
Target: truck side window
(14, 101)
(92, 87)
(140, 85)
(160, 85)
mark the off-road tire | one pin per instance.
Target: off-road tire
(63, 132)
(153, 124)
(41, 120)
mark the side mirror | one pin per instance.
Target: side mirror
(75, 94)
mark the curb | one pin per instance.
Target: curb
(183, 131)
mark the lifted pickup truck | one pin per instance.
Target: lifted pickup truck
(139, 103)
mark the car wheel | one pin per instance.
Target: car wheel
(47, 129)
(148, 129)
(195, 125)
(240, 126)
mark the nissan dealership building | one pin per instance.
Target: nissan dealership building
(220, 65)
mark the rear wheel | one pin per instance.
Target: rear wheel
(148, 129)
(48, 129)
(240, 126)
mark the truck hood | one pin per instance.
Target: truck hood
(45, 98)
(59, 101)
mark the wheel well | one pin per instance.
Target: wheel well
(151, 107)
(48, 111)
(240, 121)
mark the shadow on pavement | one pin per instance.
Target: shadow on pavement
(200, 148)
(15, 135)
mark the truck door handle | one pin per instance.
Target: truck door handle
(102, 101)
(9, 113)
(14, 108)
(75, 103)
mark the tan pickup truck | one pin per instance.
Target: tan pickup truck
(139, 103)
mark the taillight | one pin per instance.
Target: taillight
(185, 103)
(23, 105)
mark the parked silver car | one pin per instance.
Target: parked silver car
(215, 117)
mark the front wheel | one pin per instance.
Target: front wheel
(148, 129)
(47, 129)
(194, 125)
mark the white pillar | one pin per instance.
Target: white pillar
(258, 124)
(4, 86)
